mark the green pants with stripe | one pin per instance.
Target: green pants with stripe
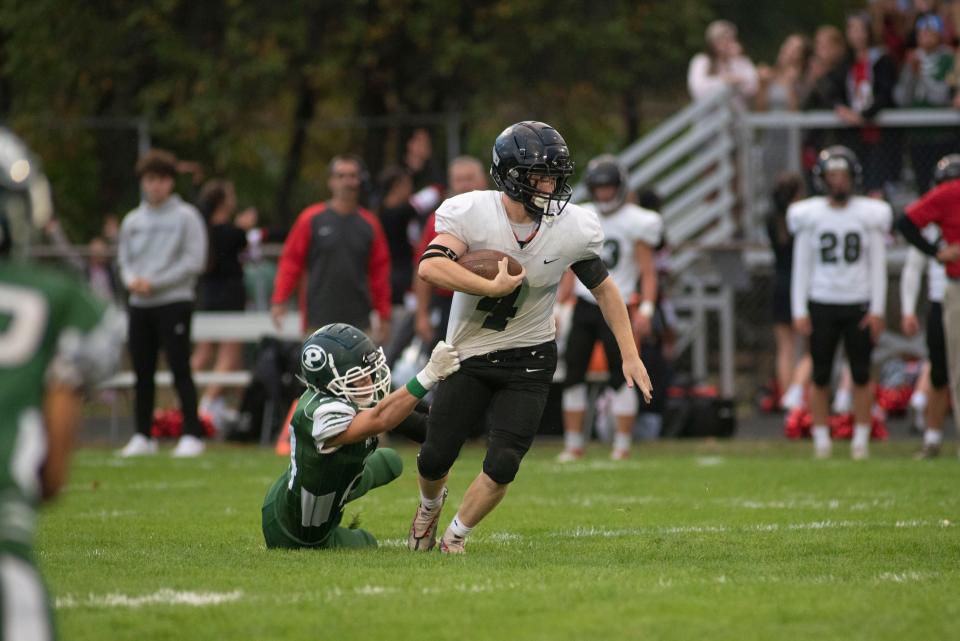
(382, 467)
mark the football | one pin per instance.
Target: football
(483, 262)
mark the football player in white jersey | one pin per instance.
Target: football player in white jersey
(839, 286)
(503, 328)
(631, 234)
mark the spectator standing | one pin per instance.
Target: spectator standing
(722, 65)
(782, 88)
(789, 188)
(941, 207)
(871, 76)
(222, 286)
(342, 251)
(162, 251)
(465, 174)
(419, 161)
(396, 213)
(925, 83)
(101, 276)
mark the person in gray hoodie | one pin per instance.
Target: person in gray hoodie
(162, 250)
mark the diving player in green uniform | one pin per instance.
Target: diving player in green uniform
(55, 340)
(333, 437)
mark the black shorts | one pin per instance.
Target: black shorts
(937, 345)
(508, 389)
(782, 314)
(830, 324)
(222, 295)
(587, 327)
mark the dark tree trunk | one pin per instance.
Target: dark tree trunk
(298, 137)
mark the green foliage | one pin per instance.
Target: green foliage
(723, 541)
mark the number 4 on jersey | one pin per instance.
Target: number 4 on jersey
(501, 310)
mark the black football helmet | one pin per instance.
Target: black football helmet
(948, 168)
(836, 157)
(25, 202)
(606, 171)
(340, 360)
(532, 148)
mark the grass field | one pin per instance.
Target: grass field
(686, 541)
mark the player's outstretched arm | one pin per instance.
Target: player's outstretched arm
(443, 272)
(389, 412)
(615, 314)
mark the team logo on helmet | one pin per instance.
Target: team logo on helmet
(314, 358)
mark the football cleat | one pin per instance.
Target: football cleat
(569, 456)
(188, 447)
(929, 451)
(822, 451)
(859, 451)
(618, 454)
(423, 530)
(452, 544)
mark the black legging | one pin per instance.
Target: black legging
(166, 326)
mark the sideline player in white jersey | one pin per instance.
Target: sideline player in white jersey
(839, 286)
(631, 234)
(503, 329)
(935, 401)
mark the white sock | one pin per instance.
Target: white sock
(431, 504)
(573, 440)
(821, 435)
(861, 434)
(622, 441)
(458, 528)
(918, 401)
(932, 436)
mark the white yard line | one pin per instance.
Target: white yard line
(160, 597)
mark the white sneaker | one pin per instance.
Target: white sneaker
(188, 446)
(793, 398)
(569, 456)
(859, 451)
(139, 445)
(619, 454)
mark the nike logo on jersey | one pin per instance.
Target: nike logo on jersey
(325, 231)
(547, 262)
(530, 371)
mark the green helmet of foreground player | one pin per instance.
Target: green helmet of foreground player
(340, 360)
(25, 202)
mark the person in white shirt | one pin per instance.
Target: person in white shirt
(631, 234)
(839, 286)
(722, 65)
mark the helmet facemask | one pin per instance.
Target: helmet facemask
(364, 386)
(537, 202)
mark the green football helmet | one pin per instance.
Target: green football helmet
(25, 203)
(341, 360)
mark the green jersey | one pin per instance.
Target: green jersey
(320, 478)
(52, 330)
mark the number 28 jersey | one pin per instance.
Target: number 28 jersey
(524, 318)
(840, 243)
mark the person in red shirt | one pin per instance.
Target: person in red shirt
(464, 174)
(941, 206)
(337, 258)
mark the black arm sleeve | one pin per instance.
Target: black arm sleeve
(913, 235)
(414, 427)
(591, 272)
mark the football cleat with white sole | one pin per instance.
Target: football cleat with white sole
(423, 530)
(139, 445)
(188, 447)
(859, 451)
(452, 544)
(822, 451)
(569, 456)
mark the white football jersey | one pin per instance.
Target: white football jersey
(480, 325)
(621, 231)
(840, 245)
